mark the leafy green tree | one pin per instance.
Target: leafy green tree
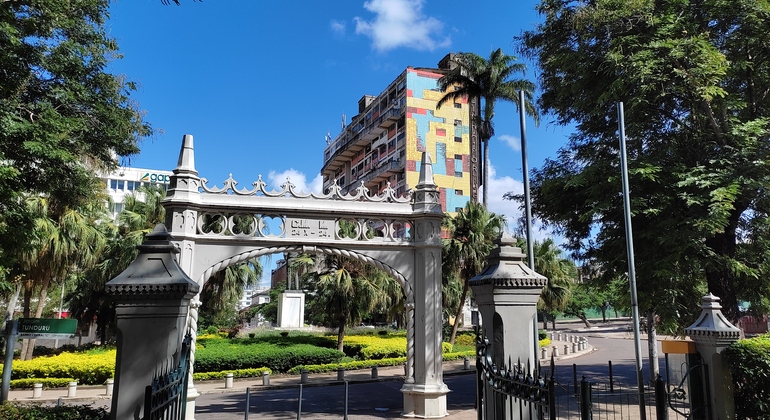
(62, 116)
(471, 235)
(561, 273)
(491, 80)
(693, 76)
(345, 292)
(142, 211)
(66, 240)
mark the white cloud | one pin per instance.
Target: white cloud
(508, 208)
(401, 23)
(338, 27)
(276, 179)
(511, 141)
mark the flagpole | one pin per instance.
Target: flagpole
(631, 265)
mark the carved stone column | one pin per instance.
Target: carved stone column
(425, 394)
(712, 333)
(151, 296)
(507, 291)
(181, 204)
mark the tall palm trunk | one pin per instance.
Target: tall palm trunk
(38, 313)
(341, 334)
(459, 311)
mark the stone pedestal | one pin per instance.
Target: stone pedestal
(152, 297)
(291, 309)
(712, 333)
(507, 292)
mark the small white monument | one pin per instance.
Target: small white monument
(291, 307)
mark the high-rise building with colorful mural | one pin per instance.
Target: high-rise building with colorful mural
(383, 144)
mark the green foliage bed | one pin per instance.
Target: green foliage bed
(749, 362)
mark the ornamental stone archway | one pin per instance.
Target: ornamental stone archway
(400, 235)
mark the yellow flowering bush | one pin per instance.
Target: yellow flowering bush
(88, 368)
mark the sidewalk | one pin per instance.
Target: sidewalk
(97, 396)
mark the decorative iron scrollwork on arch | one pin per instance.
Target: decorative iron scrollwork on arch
(361, 193)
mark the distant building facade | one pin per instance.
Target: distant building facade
(125, 181)
(383, 144)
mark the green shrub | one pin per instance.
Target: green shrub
(10, 411)
(219, 355)
(749, 362)
(47, 382)
(93, 367)
(238, 373)
(542, 334)
(465, 339)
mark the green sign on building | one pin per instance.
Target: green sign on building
(47, 328)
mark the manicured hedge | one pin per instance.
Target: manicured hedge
(749, 362)
(47, 382)
(219, 355)
(368, 364)
(88, 368)
(237, 373)
(10, 411)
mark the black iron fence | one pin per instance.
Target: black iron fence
(166, 397)
(505, 390)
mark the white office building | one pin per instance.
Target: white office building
(125, 181)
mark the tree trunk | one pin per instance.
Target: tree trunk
(585, 320)
(11, 305)
(25, 314)
(341, 335)
(38, 313)
(459, 312)
(545, 320)
(652, 346)
(553, 322)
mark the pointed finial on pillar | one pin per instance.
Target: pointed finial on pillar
(425, 196)
(187, 155)
(426, 171)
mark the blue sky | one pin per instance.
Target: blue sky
(259, 84)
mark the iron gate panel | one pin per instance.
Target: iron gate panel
(512, 387)
(166, 397)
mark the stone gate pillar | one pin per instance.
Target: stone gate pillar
(507, 291)
(425, 394)
(182, 201)
(712, 333)
(152, 297)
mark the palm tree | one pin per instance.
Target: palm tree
(67, 239)
(488, 79)
(472, 232)
(141, 212)
(346, 292)
(560, 272)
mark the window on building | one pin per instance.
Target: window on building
(117, 184)
(459, 157)
(458, 105)
(458, 192)
(458, 174)
(458, 209)
(458, 139)
(458, 123)
(132, 185)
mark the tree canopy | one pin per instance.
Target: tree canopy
(490, 80)
(62, 115)
(694, 76)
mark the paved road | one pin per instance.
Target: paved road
(383, 400)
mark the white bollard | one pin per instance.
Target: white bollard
(375, 372)
(543, 353)
(340, 374)
(72, 389)
(265, 378)
(555, 351)
(566, 349)
(574, 347)
(466, 363)
(229, 380)
(303, 376)
(110, 385)
(37, 390)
